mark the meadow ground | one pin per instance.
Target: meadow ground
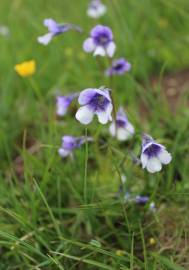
(71, 214)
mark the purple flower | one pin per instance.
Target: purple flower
(55, 29)
(153, 155)
(122, 129)
(141, 199)
(69, 143)
(94, 101)
(119, 67)
(96, 9)
(63, 102)
(100, 41)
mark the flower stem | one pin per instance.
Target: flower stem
(86, 167)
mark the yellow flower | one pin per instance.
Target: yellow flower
(152, 241)
(26, 68)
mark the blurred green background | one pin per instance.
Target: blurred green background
(41, 196)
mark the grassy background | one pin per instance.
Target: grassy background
(47, 218)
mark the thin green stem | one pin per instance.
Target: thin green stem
(86, 167)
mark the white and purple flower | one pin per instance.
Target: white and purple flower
(153, 155)
(122, 129)
(119, 67)
(96, 9)
(100, 41)
(63, 103)
(69, 143)
(94, 101)
(141, 199)
(55, 29)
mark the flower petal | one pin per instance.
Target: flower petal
(84, 115)
(112, 129)
(105, 116)
(99, 51)
(153, 165)
(144, 160)
(111, 49)
(51, 25)
(130, 129)
(63, 153)
(86, 96)
(88, 45)
(45, 39)
(123, 134)
(165, 157)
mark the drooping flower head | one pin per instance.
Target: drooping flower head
(153, 155)
(96, 9)
(94, 101)
(100, 41)
(69, 143)
(55, 29)
(119, 67)
(122, 129)
(63, 103)
(26, 69)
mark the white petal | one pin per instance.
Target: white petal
(130, 129)
(63, 153)
(123, 134)
(45, 39)
(100, 51)
(88, 45)
(112, 129)
(84, 115)
(111, 49)
(153, 165)
(144, 160)
(164, 156)
(103, 117)
(61, 111)
(93, 13)
(96, 12)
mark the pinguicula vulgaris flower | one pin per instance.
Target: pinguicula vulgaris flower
(141, 199)
(119, 67)
(94, 101)
(55, 29)
(100, 41)
(96, 9)
(122, 129)
(63, 103)
(153, 155)
(69, 143)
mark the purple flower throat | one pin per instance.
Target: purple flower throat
(99, 102)
(120, 123)
(152, 150)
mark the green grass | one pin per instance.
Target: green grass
(64, 214)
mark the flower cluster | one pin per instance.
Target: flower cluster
(100, 102)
